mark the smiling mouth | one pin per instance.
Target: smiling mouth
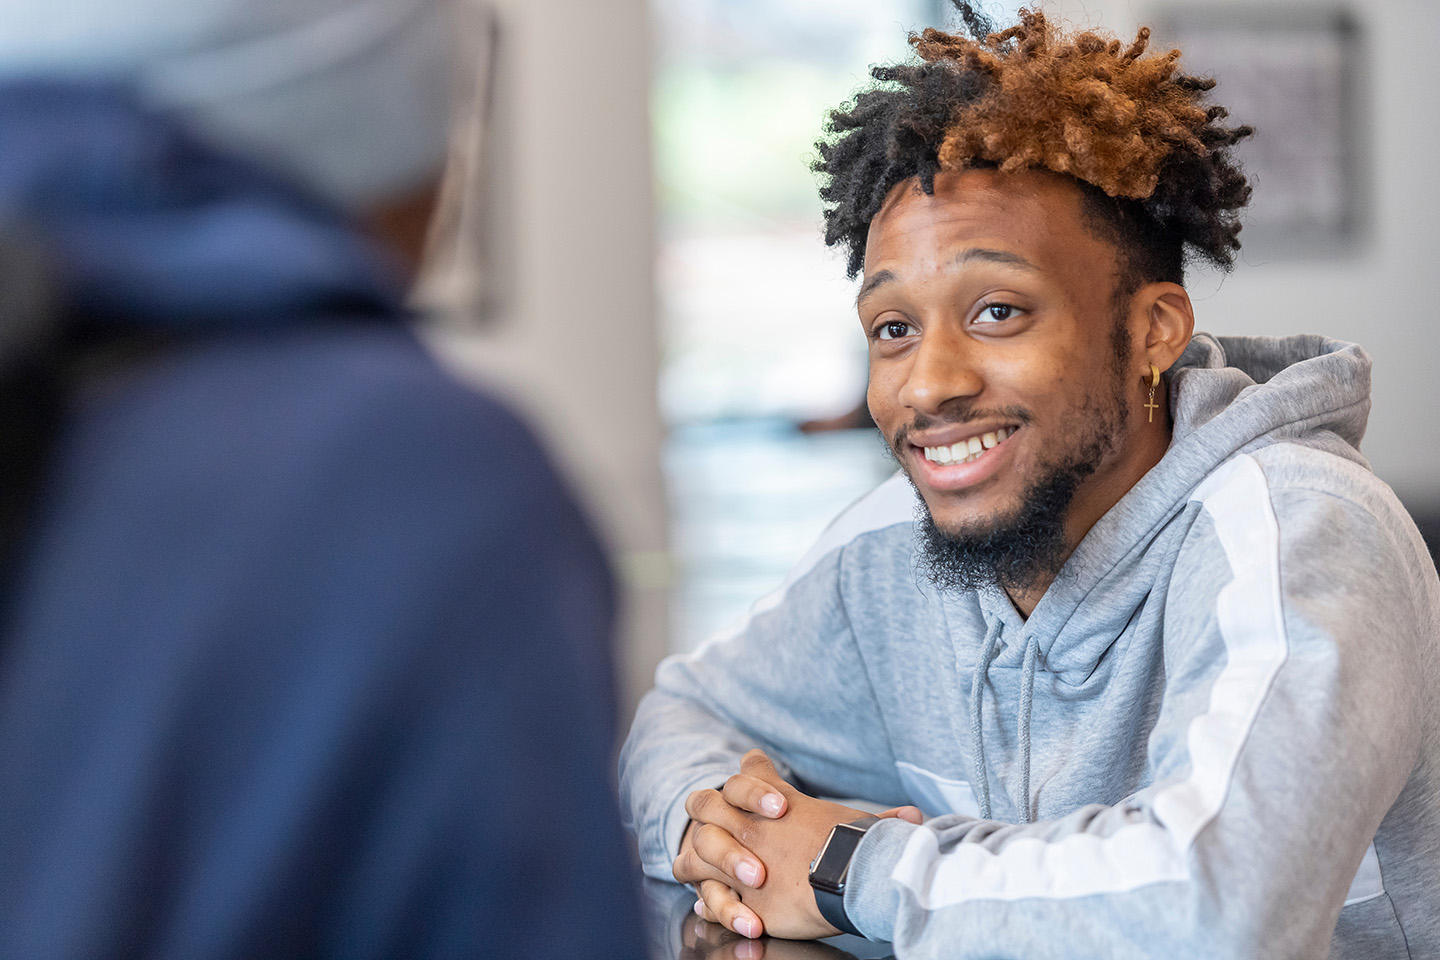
(968, 451)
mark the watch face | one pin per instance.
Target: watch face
(829, 869)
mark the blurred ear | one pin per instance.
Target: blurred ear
(1166, 319)
(402, 222)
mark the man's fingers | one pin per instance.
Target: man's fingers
(690, 867)
(719, 849)
(722, 905)
(699, 802)
(708, 806)
(757, 763)
(908, 814)
(707, 940)
(710, 850)
(754, 795)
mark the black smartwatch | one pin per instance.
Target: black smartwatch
(831, 868)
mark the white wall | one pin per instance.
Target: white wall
(1387, 295)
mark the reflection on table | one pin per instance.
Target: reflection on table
(676, 933)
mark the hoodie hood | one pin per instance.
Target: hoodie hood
(146, 227)
(1307, 389)
(1228, 395)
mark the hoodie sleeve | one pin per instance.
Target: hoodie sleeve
(790, 679)
(1295, 624)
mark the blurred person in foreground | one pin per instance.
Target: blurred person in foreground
(304, 646)
(1153, 650)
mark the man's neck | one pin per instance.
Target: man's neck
(1092, 501)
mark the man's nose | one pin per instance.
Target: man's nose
(943, 369)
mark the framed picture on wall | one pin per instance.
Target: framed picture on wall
(1293, 74)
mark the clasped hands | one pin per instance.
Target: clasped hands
(748, 850)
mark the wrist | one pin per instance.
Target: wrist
(872, 899)
(830, 870)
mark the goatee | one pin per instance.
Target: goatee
(1015, 553)
(1020, 550)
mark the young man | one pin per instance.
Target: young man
(1152, 650)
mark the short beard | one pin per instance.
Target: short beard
(1015, 553)
(1020, 551)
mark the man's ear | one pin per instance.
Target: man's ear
(1165, 317)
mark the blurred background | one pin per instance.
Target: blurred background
(654, 290)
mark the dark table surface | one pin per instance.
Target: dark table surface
(676, 933)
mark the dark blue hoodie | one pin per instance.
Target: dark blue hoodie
(306, 651)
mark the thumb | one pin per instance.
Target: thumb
(757, 763)
(908, 814)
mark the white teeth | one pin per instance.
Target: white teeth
(969, 450)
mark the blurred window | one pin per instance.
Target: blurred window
(757, 312)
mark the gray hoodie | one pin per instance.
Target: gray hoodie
(1216, 736)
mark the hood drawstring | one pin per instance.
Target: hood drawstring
(977, 727)
(1027, 696)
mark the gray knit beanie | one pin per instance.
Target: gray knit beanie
(350, 96)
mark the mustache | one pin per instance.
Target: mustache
(956, 414)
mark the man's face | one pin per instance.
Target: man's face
(998, 364)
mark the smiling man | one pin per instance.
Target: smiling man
(1002, 372)
(1136, 650)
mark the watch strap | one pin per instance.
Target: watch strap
(830, 890)
(832, 908)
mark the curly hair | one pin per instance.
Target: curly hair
(1151, 158)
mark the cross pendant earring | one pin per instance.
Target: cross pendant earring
(1151, 405)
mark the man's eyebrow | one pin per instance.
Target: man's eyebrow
(968, 255)
(871, 282)
(989, 255)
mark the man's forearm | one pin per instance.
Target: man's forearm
(674, 749)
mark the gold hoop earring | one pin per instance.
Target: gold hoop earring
(1151, 405)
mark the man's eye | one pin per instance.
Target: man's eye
(894, 330)
(996, 312)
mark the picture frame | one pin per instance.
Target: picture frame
(1293, 73)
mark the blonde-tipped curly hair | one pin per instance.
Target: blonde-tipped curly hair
(1134, 131)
